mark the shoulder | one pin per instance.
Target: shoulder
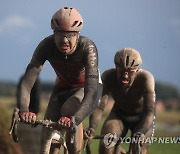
(49, 40)
(146, 79)
(47, 45)
(145, 74)
(109, 78)
(86, 43)
(43, 50)
(109, 74)
(85, 40)
(88, 51)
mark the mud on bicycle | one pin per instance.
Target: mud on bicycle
(58, 137)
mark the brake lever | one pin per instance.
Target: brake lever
(73, 132)
(73, 129)
(16, 119)
(14, 123)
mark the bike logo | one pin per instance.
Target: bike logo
(110, 140)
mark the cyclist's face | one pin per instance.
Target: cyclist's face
(66, 41)
(125, 76)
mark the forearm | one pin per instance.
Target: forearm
(90, 100)
(95, 118)
(149, 111)
(146, 122)
(26, 86)
(88, 104)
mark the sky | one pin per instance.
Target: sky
(150, 26)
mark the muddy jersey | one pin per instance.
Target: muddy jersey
(76, 70)
(136, 102)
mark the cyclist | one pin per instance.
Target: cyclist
(74, 58)
(133, 92)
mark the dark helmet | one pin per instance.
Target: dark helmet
(67, 19)
(128, 58)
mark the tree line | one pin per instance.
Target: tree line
(165, 92)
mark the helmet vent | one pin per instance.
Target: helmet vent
(132, 63)
(79, 24)
(75, 23)
(127, 60)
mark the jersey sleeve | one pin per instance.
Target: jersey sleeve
(32, 71)
(95, 117)
(91, 82)
(149, 103)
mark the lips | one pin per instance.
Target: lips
(125, 81)
(64, 46)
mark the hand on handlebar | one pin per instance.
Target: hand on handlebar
(89, 133)
(65, 122)
(140, 137)
(28, 117)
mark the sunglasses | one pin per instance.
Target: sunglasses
(128, 71)
(66, 34)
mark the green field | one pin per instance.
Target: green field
(171, 118)
(167, 125)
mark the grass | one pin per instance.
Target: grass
(170, 117)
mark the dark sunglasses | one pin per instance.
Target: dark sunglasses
(66, 34)
(130, 72)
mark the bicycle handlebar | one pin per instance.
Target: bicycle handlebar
(45, 123)
(87, 148)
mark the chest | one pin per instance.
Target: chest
(129, 97)
(68, 65)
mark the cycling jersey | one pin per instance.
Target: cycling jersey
(135, 104)
(77, 70)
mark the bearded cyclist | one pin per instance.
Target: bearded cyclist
(74, 59)
(133, 92)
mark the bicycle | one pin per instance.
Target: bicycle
(58, 137)
(110, 140)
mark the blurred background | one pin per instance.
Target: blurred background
(151, 27)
